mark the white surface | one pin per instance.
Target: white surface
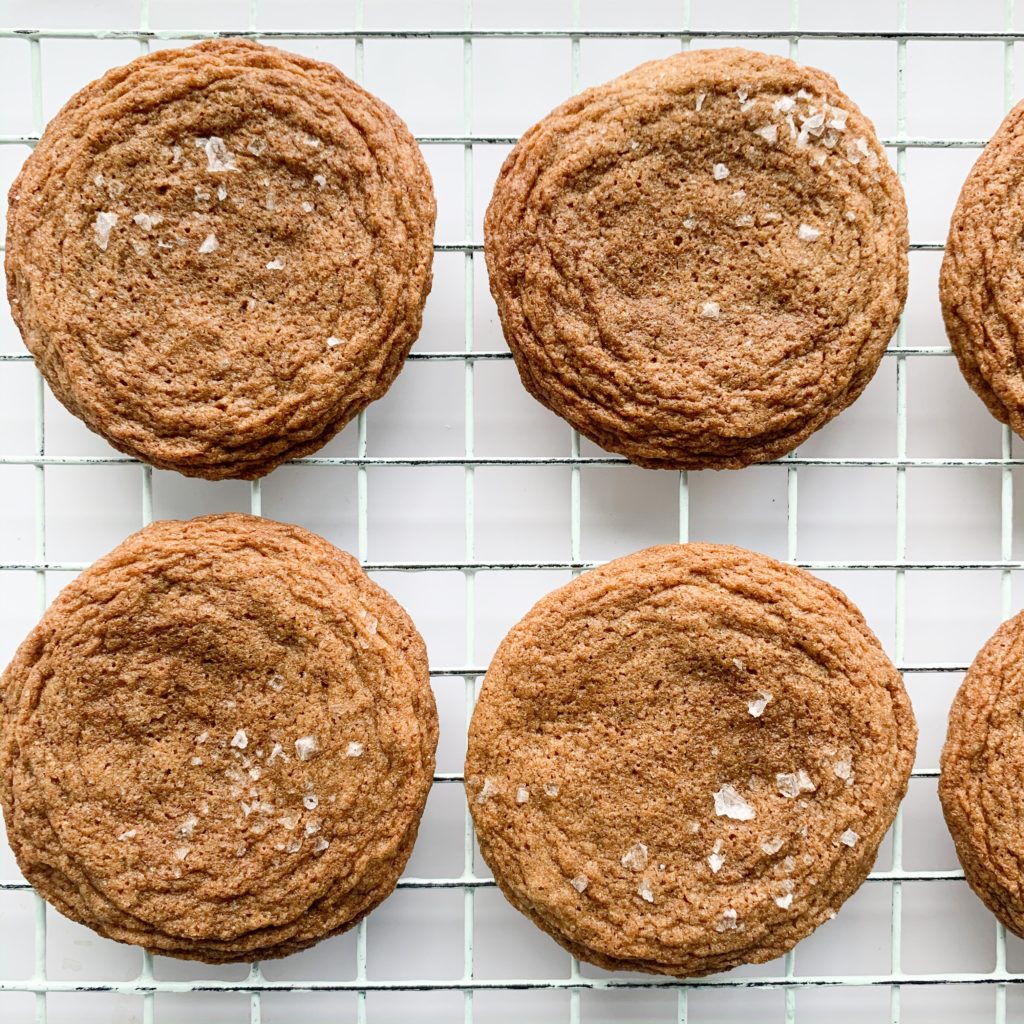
(444, 514)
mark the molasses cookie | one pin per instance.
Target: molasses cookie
(218, 255)
(980, 281)
(218, 742)
(686, 759)
(982, 766)
(700, 263)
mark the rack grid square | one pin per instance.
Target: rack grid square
(469, 501)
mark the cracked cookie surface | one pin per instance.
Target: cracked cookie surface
(700, 263)
(686, 759)
(218, 741)
(218, 255)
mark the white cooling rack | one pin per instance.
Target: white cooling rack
(469, 501)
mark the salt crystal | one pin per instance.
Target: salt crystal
(141, 249)
(187, 827)
(321, 844)
(306, 747)
(333, 342)
(218, 157)
(785, 901)
(254, 774)
(278, 751)
(745, 221)
(289, 821)
(831, 915)
(701, 97)
(98, 180)
(768, 132)
(202, 196)
(730, 804)
(175, 154)
(784, 105)
(690, 223)
(311, 829)
(127, 834)
(771, 846)
(744, 107)
(843, 770)
(808, 234)
(727, 923)
(275, 264)
(743, 92)
(849, 838)
(635, 858)
(487, 790)
(257, 146)
(310, 801)
(803, 94)
(756, 707)
(270, 203)
(788, 864)
(321, 181)
(839, 117)
(247, 809)
(241, 849)
(818, 159)
(312, 142)
(710, 310)
(644, 891)
(579, 883)
(551, 788)
(240, 740)
(222, 193)
(181, 852)
(522, 795)
(102, 227)
(694, 827)
(720, 172)
(307, 207)
(294, 844)
(210, 244)
(792, 785)
(715, 858)
(354, 749)
(276, 682)
(738, 196)
(148, 221)
(196, 761)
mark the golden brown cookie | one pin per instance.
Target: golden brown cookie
(700, 263)
(982, 766)
(980, 283)
(218, 741)
(218, 255)
(686, 759)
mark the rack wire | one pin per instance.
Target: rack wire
(146, 985)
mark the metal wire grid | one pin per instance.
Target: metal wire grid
(146, 985)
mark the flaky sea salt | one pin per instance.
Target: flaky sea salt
(701, 97)
(102, 227)
(148, 221)
(218, 157)
(487, 790)
(729, 804)
(306, 747)
(278, 751)
(711, 310)
(551, 789)
(715, 858)
(784, 105)
(129, 833)
(354, 749)
(307, 207)
(784, 901)
(843, 769)
(321, 844)
(187, 827)
(240, 740)
(275, 264)
(719, 172)
(756, 707)
(635, 858)
(210, 244)
(771, 846)
(793, 784)
(522, 794)
(727, 922)
(849, 838)
(644, 891)
(321, 181)
(333, 342)
(181, 852)
(310, 801)
(808, 234)
(768, 132)
(257, 146)
(579, 883)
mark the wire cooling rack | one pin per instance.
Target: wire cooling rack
(469, 501)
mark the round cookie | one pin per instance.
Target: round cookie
(218, 255)
(218, 741)
(686, 759)
(700, 263)
(981, 281)
(980, 780)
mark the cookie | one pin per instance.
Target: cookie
(981, 770)
(980, 280)
(700, 263)
(218, 255)
(686, 759)
(218, 742)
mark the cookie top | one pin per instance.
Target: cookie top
(686, 759)
(218, 741)
(700, 263)
(980, 284)
(982, 767)
(218, 255)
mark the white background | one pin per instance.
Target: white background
(954, 89)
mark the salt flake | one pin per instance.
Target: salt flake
(730, 804)
(843, 770)
(240, 740)
(808, 234)
(849, 838)
(551, 788)
(784, 901)
(719, 172)
(701, 97)
(644, 891)
(127, 834)
(210, 244)
(103, 226)
(333, 342)
(792, 785)
(771, 846)
(579, 883)
(768, 132)
(354, 749)
(148, 221)
(711, 310)
(635, 858)
(310, 801)
(727, 922)
(275, 264)
(218, 156)
(306, 747)
(487, 790)
(187, 827)
(522, 795)
(756, 707)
